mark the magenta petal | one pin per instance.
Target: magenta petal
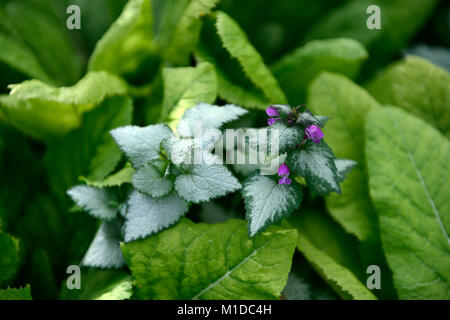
(272, 112)
(314, 133)
(271, 121)
(285, 180)
(283, 170)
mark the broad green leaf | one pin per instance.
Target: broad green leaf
(400, 20)
(149, 180)
(267, 202)
(146, 215)
(200, 261)
(46, 112)
(89, 150)
(205, 182)
(21, 58)
(347, 104)
(439, 56)
(408, 163)
(128, 45)
(242, 76)
(185, 87)
(208, 116)
(288, 137)
(100, 203)
(16, 294)
(9, 257)
(166, 15)
(40, 28)
(185, 36)
(114, 180)
(316, 164)
(141, 144)
(100, 285)
(297, 69)
(104, 251)
(417, 86)
(332, 253)
(344, 166)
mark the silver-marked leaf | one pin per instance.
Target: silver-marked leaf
(141, 144)
(208, 116)
(146, 215)
(308, 119)
(266, 202)
(148, 180)
(104, 251)
(205, 182)
(344, 166)
(288, 137)
(316, 164)
(100, 203)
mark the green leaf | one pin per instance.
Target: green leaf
(89, 150)
(344, 166)
(209, 116)
(200, 261)
(398, 25)
(288, 137)
(9, 258)
(46, 112)
(16, 294)
(141, 144)
(100, 285)
(417, 86)
(104, 251)
(347, 104)
(242, 76)
(297, 69)
(440, 56)
(146, 215)
(316, 164)
(185, 36)
(332, 253)
(307, 119)
(205, 182)
(100, 203)
(267, 202)
(148, 180)
(114, 180)
(185, 87)
(408, 163)
(128, 45)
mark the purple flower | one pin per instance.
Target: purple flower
(271, 121)
(314, 133)
(283, 170)
(285, 180)
(272, 112)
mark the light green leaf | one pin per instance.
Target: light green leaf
(46, 112)
(100, 203)
(347, 104)
(9, 257)
(408, 163)
(185, 87)
(288, 137)
(146, 215)
(296, 70)
(128, 43)
(16, 294)
(104, 251)
(332, 253)
(208, 116)
(417, 86)
(316, 164)
(440, 56)
(149, 180)
(266, 202)
(200, 261)
(100, 285)
(185, 36)
(114, 180)
(205, 182)
(89, 150)
(141, 144)
(242, 76)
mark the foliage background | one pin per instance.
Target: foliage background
(49, 138)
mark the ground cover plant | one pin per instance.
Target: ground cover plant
(126, 147)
